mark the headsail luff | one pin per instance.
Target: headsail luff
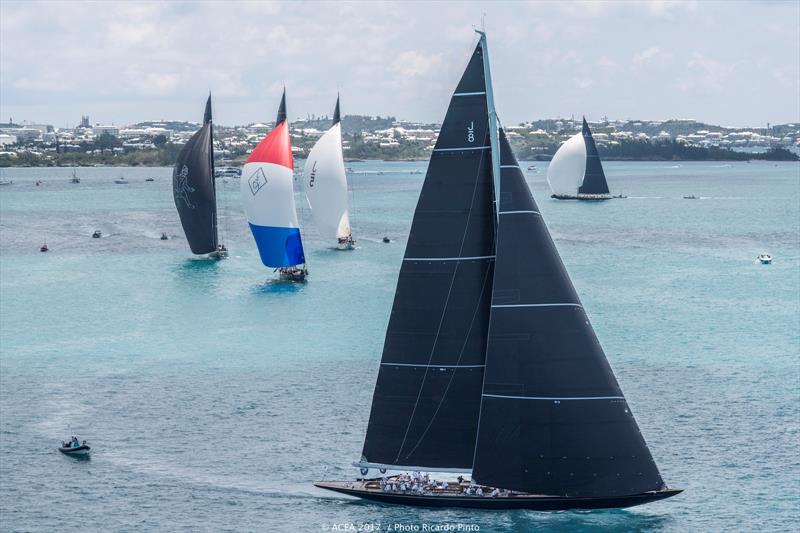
(425, 406)
(194, 189)
(325, 183)
(594, 179)
(268, 197)
(553, 418)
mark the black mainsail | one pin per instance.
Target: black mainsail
(594, 179)
(194, 190)
(425, 407)
(553, 418)
(490, 363)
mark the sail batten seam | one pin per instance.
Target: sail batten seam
(448, 258)
(553, 398)
(433, 366)
(462, 149)
(539, 305)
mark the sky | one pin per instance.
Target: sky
(734, 63)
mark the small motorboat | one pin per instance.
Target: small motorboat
(230, 172)
(6, 182)
(346, 243)
(121, 180)
(765, 259)
(150, 179)
(97, 234)
(38, 182)
(387, 240)
(75, 447)
(164, 236)
(532, 168)
(43, 248)
(75, 178)
(691, 197)
(619, 196)
(293, 273)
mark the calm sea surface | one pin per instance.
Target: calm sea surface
(213, 396)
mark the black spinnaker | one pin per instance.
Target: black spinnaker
(426, 401)
(194, 190)
(553, 418)
(594, 179)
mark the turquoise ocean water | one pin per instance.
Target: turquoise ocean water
(213, 396)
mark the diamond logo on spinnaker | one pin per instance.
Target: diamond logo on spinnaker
(257, 180)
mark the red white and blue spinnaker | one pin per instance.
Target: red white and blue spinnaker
(268, 198)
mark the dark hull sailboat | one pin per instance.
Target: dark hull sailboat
(490, 365)
(195, 193)
(575, 172)
(533, 502)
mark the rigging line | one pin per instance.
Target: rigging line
(460, 354)
(444, 309)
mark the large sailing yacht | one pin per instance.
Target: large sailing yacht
(490, 366)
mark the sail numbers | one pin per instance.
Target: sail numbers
(471, 132)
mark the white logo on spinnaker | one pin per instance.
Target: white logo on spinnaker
(257, 180)
(182, 188)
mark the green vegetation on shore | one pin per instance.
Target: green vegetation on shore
(165, 154)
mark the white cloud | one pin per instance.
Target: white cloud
(142, 59)
(710, 74)
(652, 55)
(412, 63)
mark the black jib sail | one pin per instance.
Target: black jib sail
(281, 109)
(594, 180)
(553, 419)
(336, 116)
(194, 190)
(426, 401)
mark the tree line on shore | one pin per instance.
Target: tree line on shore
(106, 152)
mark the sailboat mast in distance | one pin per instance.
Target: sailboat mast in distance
(490, 366)
(194, 190)
(268, 198)
(325, 183)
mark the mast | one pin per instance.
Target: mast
(208, 120)
(493, 135)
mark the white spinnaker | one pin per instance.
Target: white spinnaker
(566, 170)
(326, 185)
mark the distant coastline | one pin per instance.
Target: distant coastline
(150, 144)
(633, 151)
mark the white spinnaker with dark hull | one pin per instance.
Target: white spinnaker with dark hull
(576, 171)
(326, 185)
